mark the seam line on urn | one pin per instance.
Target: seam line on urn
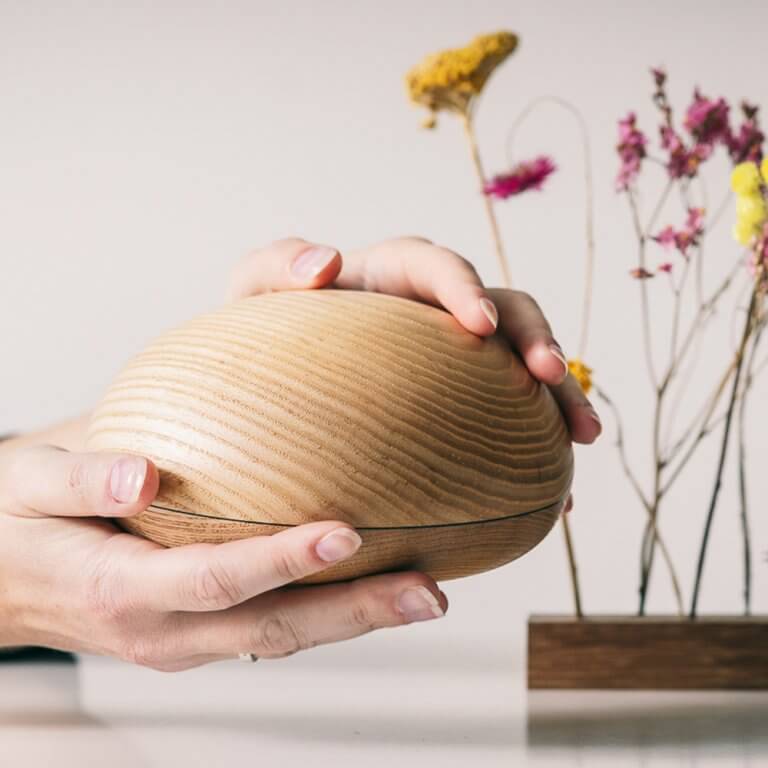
(548, 507)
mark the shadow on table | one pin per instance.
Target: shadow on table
(612, 719)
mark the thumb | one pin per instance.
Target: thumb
(45, 480)
(286, 265)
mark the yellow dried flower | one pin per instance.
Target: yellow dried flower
(743, 232)
(751, 212)
(582, 373)
(745, 179)
(750, 209)
(449, 80)
(764, 169)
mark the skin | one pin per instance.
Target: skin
(70, 579)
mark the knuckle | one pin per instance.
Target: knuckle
(156, 648)
(414, 240)
(287, 565)
(78, 480)
(418, 579)
(526, 298)
(277, 635)
(143, 652)
(214, 586)
(285, 244)
(104, 595)
(361, 616)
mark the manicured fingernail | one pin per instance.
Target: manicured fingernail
(560, 355)
(490, 311)
(338, 545)
(311, 262)
(127, 479)
(593, 415)
(419, 604)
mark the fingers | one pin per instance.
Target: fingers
(523, 323)
(582, 419)
(288, 264)
(207, 577)
(416, 269)
(282, 623)
(44, 480)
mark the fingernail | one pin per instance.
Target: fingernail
(593, 415)
(557, 352)
(127, 479)
(490, 311)
(311, 262)
(338, 545)
(419, 604)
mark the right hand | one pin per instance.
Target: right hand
(70, 579)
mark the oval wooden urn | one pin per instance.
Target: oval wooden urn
(438, 446)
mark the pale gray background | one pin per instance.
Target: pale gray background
(146, 146)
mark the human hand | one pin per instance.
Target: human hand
(417, 269)
(70, 579)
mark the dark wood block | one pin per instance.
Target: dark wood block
(650, 652)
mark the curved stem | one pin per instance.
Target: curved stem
(494, 224)
(589, 206)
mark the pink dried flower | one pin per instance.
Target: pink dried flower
(524, 176)
(682, 161)
(666, 237)
(640, 273)
(695, 220)
(747, 144)
(707, 120)
(631, 149)
(685, 238)
(667, 267)
(659, 76)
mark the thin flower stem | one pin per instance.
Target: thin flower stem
(657, 210)
(494, 224)
(704, 429)
(743, 490)
(644, 501)
(572, 565)
(678, 303)
(748, 329)
(721, 209)
(589, 206)
(647, 337)
(621, 447)
(698, 322)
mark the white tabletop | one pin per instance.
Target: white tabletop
(327, 708)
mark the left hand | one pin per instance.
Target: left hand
(415, 268)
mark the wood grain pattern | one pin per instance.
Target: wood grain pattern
(651, 653)
(312, 405)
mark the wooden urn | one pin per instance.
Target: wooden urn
(436, 445)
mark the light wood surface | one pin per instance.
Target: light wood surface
(312, 405)
(648, 652)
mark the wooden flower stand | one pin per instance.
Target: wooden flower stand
(648, 653)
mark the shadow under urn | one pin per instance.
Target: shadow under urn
(436, 445)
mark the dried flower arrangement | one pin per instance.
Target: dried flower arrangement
(668, 258)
